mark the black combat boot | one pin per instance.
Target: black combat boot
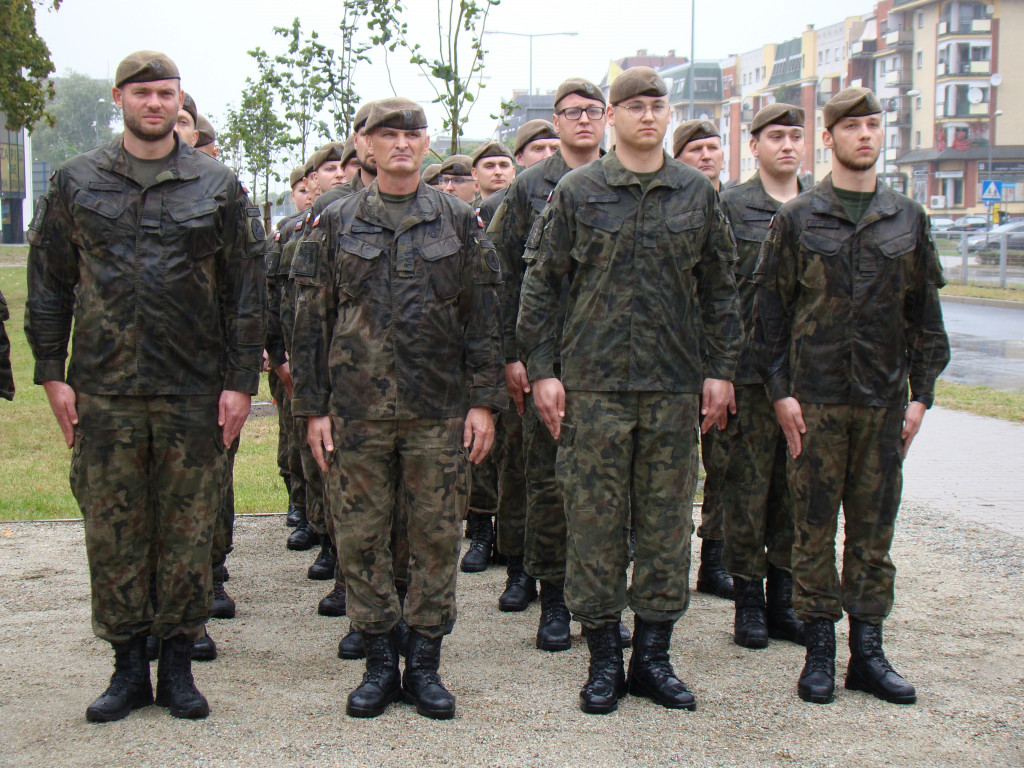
(204, 649)
(782, 621)
(712, 578)
(553, 632)
(606, 677)
(520, 589)
(295, 516)
(175, 687)
(421, 682)
(351, 646)
(481, 535)
(303, 537)
(750, 627)
(625, 638)
(650, 672)
(152, 647)
(322, 568)
(129, 687)
(818, 678)
(333, 603)
(382, 683)
(870, 671)
(223, 606)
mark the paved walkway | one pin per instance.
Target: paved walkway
(970, 466)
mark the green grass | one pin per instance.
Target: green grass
(983, 401)
(34, 461)
(13, 254)
(983, 291)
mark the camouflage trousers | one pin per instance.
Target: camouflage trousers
(851, 456)
(483, 496)
(626, 455)
(758, 512)
(544, 536)
(417, 466)
(511, 521)
(714, 454)
(289, 459)
(224, 524)
(316, 509)
(147, 473)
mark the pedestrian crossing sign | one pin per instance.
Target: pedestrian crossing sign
(991, 191)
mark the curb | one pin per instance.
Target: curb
(1004, 303)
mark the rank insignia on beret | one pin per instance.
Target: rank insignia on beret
(316, 221)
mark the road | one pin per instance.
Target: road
(987, 345)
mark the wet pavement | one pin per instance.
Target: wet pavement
(987, 345)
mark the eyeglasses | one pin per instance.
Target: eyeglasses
(454, 180)
(575, 113)
(637, 111)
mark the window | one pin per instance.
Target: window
(827, 54)
(980, 53)
(817, 155)
(919, 102)
(821, 58)
(917, 139)
(920, 19)
(920, 59)
(837, 54)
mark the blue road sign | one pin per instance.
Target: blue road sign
(991, 191)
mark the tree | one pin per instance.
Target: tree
(82, 111)
(25, 64)
(456, 72)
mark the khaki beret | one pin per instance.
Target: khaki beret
(207, 135)
(692, 130)
(398, 113)
(297, 175)
(636, 81)
(308, 167)
(350, 149)
(532, 131)
(457, 165)
(851, 102)
(431, 173)
(360, 119)
(491, 149)
(189, 105)
(145, 67)
(777, 114)
(580, 86)
(327, 153)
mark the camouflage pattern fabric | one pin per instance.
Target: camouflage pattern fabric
(622, 457)
(289, 456)
(6, 375)
(851, 456)
(377, 467)
(508, 453)
(483, 496)
(714, 454)
(224, 522)
(544, 533)
(316, 487)
(148, 472)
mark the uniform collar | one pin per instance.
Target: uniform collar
(617, 175)
(426, 207)
(825, 200)
(181, 163)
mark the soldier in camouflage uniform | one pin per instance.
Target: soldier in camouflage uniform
(648, 258)
(847, 310)
(6, 375)
(698, 144)
(397, 364)
(758, 516)
(155, 253)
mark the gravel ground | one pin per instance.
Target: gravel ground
(277, 691)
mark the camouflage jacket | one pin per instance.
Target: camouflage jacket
(846, 312)
(165, 284)
(6, 375)
(489, 205)
(749, 210)
(648, 274)
(277, 276)
(396, 324)
(524, 201)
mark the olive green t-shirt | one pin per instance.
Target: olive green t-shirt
(395, 207)
(854, 203)
(145, 171)
(646, 178)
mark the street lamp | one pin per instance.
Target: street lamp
(531, 35)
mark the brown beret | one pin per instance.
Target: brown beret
(327, 153)
(851, 102)
(189, 105)
(308, 167)
(457, 165)
(532, 131)
(636, 81)
(207, 135)
(360, 119)
(777, 114)
(350, 149)
(298, 174)
(145, 67)
(431, 173)
(692, 130)
(580, 86)
(490, 149)
(398, 113)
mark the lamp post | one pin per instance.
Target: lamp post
(530, 35)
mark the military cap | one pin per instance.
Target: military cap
(145, 67)
(490, 149)
(692, 130)
(189, 105)
(308, 167)
(360, 119)
(580, 86)
(777, 114)
(532, 131)
(398, 113)
(297, 175)
(327, 153)
(851, 102)
(636, 81)
(207, 135)
(431, 173)
(350, 149)
(457, 165)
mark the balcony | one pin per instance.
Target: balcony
(863, 48)
(963, 110)
(975, 27)
(899, 38)
(898, 117)
(964, 69)
(897, 78)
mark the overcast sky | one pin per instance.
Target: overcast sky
(208, 40)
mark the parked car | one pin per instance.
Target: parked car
(941, 223)
(970, 223)
(990, 239)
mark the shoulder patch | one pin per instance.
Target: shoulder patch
(479, 219)
(277, 235)
(298, 224)
(550, 194)
(316, 221)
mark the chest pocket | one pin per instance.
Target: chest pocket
(199, 221)
(442, 267)
(96, 216)
(815, 249)
(597, 232)
(684, 231)
(357, 262)
(749, 234)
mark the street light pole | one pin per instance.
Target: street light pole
(530, 35)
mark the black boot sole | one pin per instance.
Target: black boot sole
(98, 716)
(222, 612)
(330, 609)
(554, 647)
(196, 711)
(320, 574)
(714, 590)
(746, 641)
(353, 711)
(854, 682)
(597, 709)
(638, 689)
(815, 698)
(433, 714)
